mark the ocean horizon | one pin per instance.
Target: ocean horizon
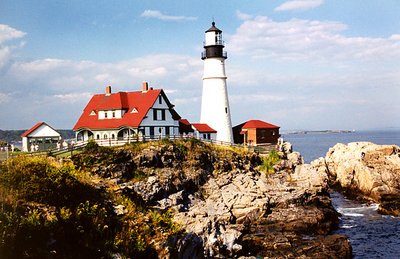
(315, 144)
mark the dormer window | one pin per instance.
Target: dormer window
(105, 115)
(92, 113)
(134, 110)
(113, 114)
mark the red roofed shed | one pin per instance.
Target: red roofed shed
(256, 132)
(203, 131)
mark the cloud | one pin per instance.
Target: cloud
(158, 15)
(243, 16)
(301, 5)
(4, 98)
(255, 98)
(8, 33)
(70, 98)
(308, 40)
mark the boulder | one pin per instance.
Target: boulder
(366, 170)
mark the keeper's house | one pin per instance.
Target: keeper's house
(123, 116)
(39, 138)
(256, 133)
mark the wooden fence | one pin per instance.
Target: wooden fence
(77, 146)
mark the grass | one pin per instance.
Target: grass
(269, 161)
(50, 209)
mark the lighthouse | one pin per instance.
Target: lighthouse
(215, 104)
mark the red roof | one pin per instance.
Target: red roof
(257, 124)
(29, 131)
(141, 101)
(203, 128)
(184, 122)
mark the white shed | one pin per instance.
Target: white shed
(39, 138)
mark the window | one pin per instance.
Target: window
(154, 114)
(97, 136)
(151, 131)
(105, 115)
(113, 114)
(226, 110)
(159, 130)
(159, 114)
(160, 99)
(163, 115)
(105, 136)
(113, 136)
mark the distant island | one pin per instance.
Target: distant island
(317, 132)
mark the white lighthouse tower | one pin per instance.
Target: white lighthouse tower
(215, 104)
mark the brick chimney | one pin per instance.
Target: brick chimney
(145, 87)
(108, 90)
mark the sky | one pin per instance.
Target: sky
(301, 64)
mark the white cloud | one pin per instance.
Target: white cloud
(243, 16)
(5, 54)
(253, 98)
(4, 98)
(8, 33)
(306, 40)
(158, 15)
(69, 98)
(299, 5)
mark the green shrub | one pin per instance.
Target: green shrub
(269, 161)
(48, 209)
(40, 179)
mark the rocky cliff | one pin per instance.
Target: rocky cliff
(229, 206)
(367, 171)
(181, 199)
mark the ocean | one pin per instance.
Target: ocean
(315, 145)
(372, 235)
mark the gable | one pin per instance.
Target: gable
(41, 129)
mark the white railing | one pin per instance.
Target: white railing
(73, 146)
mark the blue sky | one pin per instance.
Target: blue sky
(304, 64)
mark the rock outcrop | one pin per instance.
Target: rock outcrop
(367, 171)
(229, 208)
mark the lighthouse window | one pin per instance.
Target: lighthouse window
(226, 109)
